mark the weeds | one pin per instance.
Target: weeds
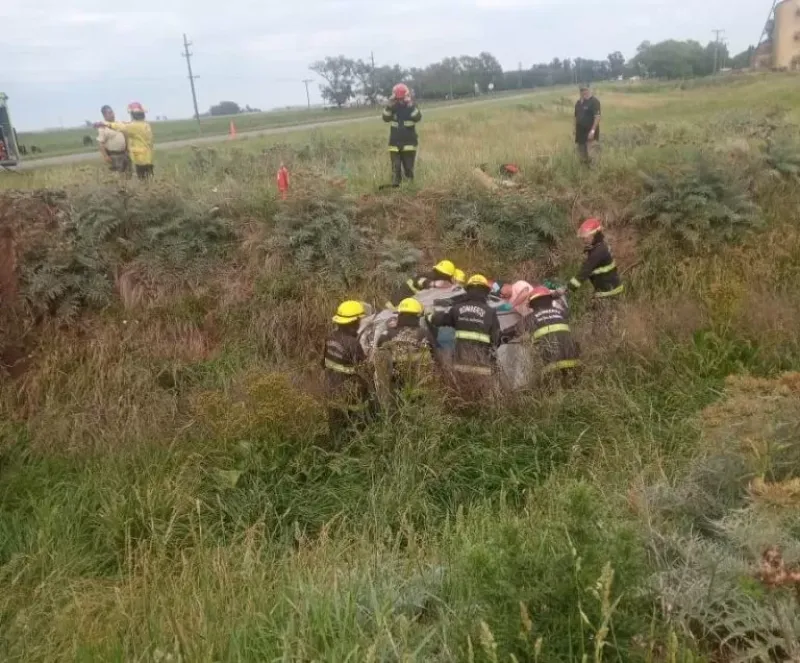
(167, 491)
(696, 207)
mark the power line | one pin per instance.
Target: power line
(188, 56)
(306, 81)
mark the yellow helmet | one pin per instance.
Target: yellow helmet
(445, 267)
(460, 277)
(410, 305)
(348, 312)
(478, 279)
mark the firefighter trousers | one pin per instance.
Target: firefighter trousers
(402, 164)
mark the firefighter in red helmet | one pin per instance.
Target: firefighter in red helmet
(551, 334)
(403, 115)
(598, 267)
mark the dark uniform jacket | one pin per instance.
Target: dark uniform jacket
(410, 347)
(344, 359)
(403, 134)
(551, 334)
(414, 285)
(586, 110)
(477, 333)
(599, 268)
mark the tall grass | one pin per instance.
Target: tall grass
(167, 488)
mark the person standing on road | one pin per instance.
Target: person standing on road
(403, 115)
(139, 134)
(587, 123)
(113, 145)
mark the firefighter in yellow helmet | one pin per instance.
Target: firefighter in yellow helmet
(477, 335)
(344, 360)
(406, 350)
(460, 278)
(441, 275)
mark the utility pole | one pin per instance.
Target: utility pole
(374, 91)
(188, 56)
(306, 81)
(717, 34)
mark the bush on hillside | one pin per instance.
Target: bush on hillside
(515, 226)
(693, 207)
(106, 229)
(321, 234)
(782, 155)
(713, 528)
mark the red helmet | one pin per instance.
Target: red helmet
(400, 91)
(135, 107)
(589, 228)
(539, 291)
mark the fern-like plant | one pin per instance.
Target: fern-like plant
(696, 206)
(514, 225)
(321, 234)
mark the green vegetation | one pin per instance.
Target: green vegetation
(167, 489)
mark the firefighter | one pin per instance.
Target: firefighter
(551, 334)
(406, 350)
(440, 276)
(139, 135)
(403, 115)
(344, 359)
(459, 278)
(598, 267)
(477, 335)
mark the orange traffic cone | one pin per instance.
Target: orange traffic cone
(283, 181)
(232, 130)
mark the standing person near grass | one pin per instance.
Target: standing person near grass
(113, 144)
(587, 123)
(403, 115)
(599, 267)
(139, 134)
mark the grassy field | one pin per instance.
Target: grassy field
(167, 488)
(70, 141)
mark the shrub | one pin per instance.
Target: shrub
(321, 234)
(694, 206)
(106, 229)
(513, 225)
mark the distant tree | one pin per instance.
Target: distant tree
(678, 59)
(339, 75)
(616, 63)
(225, 108)
(88, 124)
(744, 59)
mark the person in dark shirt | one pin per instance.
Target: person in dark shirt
(344, 360)
(587, 123)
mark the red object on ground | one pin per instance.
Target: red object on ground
(232, 130)
(283, 181)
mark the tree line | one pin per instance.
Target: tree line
(346, 79)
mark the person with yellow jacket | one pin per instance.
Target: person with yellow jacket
(139, 135)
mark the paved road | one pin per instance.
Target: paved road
(219, 138)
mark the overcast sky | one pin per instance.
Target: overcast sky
(64, 59)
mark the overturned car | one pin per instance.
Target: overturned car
(513, 357)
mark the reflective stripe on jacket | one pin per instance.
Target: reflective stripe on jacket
(600, 269)
(403, 132)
